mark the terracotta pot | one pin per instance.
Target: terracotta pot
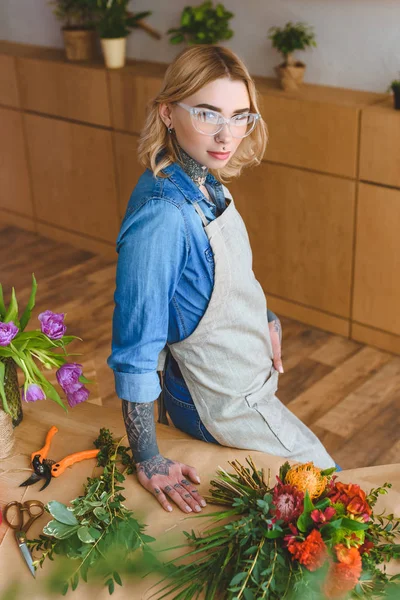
(12, 391)
(291, 76)
(80, 44)
(114, 51)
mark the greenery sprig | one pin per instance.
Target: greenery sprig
(97, 532)
(202, 24)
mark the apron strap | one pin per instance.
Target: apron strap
(201, 214)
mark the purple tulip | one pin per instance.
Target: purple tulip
(52, 324)
(8, 331)
(78, 396)
(68, 374)
(33, 393)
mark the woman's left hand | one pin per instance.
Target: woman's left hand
(275, 330)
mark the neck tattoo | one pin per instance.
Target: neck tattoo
(196, 171)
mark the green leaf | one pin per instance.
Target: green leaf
(117, 578)
(238, 578)
(272, 534)
(31, 303)
(353, 525)
(75, 581)
(305, 521)
(101, 514)
(62, 513)
(2, 306)
(85, 536)
(110, 586)
(2, 391)
(12, 311)
(52, 393)
(59, 530)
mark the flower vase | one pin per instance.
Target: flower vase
(12, 391)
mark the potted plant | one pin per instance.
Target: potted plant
(202, 24)
(20, 348)
(286, 40)
(78, 30)
(395, 88)
(113, 23)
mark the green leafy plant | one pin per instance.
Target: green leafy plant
(298, 36)
(76, 14)
(307, 537)
(114, 20)
(394, 85)
(97, 533)
(202, 24)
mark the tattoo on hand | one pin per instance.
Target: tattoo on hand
(158, 465)
(185, 482)
(278, 328)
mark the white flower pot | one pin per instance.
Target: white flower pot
(114, 51)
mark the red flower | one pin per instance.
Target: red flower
(322, 517)
(353, 498)
(366, 547)
(311, 552)
(343, 575)
(288, 502)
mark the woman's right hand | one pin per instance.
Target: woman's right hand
(170, 480)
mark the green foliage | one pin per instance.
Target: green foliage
(76, 14)
(113, 20)
(394, 86)
(97, 533)
(202, 24)
(292, 37)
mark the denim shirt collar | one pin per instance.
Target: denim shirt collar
(190, 190)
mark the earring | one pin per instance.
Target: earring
(170, 129)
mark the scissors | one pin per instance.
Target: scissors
(21, 529)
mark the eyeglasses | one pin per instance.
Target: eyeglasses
(210, 122)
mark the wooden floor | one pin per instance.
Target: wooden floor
(348, 393)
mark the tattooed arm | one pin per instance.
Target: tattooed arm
(275, 329)
(159, 475)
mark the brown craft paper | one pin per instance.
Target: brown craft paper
(77, 430)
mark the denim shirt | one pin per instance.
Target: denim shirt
(164, 276)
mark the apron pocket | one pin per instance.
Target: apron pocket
(274, 413)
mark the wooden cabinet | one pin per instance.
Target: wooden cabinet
(380, 144)
(15, 193)
(301, 229)
(377, 259)
(73, 176)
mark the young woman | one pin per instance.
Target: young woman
(185, 285)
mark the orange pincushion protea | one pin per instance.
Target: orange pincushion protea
(307, 477)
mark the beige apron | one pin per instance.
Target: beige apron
(227, 361)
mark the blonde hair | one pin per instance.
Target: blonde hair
(193, 68)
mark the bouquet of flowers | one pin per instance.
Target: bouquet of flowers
(23, 347)
(309, 536)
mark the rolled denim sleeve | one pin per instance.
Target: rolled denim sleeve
(271, 316)
(152, 253)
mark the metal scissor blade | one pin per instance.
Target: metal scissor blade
(48, 479)
(32, 479)
(28, 558)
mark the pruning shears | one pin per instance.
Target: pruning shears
(45, 468)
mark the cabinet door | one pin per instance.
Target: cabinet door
(380, 147)
(130, 95)
(8, 81)
(301, 230)
(313, 135)
(377, 265)
(73, 176)
(15, 193)
(71, 91)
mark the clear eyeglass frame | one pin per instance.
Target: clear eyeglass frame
(193, 110)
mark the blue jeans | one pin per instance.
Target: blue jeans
(181, 408)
